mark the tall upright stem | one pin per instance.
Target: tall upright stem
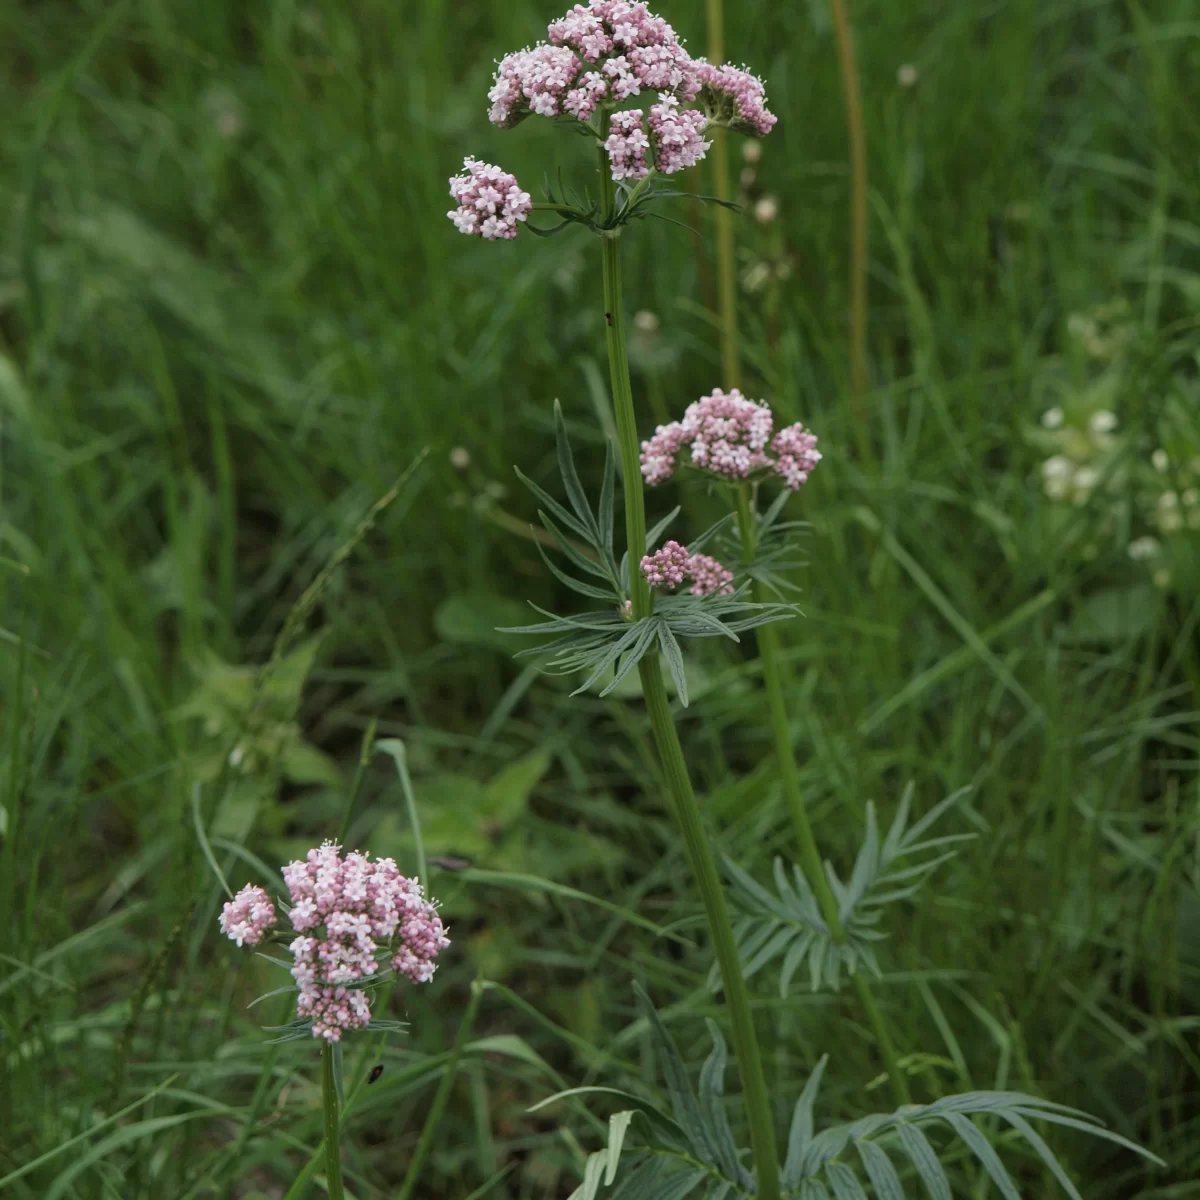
(731, 362)
(789, 774)
(666, 739)
(852, 95)
(333, 1146)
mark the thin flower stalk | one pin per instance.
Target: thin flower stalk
(789, 774)
(666, 739)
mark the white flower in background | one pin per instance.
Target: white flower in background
(1102, 422)
(1085, 482)
(1056, 476)
(1143, 548)
(751, 151)
(1167, 513)
(1159, 460)
(1162, 578)
(645, 321)
(766, 210)
(907, 75)
(1052, 418)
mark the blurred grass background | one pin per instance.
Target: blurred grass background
(232, 312)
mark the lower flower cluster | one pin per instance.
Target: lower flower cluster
(348, 912)
(672, 565)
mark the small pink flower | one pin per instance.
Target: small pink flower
(490, 201)
(666, 567)
(708, 576)
(627, 145)
(249, 915)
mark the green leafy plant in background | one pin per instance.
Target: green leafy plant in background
(816, 916)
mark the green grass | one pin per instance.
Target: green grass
(216, 352)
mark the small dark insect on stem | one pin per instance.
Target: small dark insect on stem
(375, 1073)
(608, 317)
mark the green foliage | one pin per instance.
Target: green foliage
(609, 643)
(231, 309)
(790, 926)
(691, 1152)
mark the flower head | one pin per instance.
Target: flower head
(490, 201)
(673, 565)
(708, 576)
(667, 567)
(731, 437)
(733, 97)
(348, 913)
(606, 51)
(249, 915)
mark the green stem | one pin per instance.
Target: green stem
(789, 774)
(413, 1174)
(666, 739)
(622, 393)
(708, 880)
(731, 364)
(333, 1156)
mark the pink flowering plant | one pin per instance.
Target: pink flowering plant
(595, 71)
(355, 921)
(620, 75)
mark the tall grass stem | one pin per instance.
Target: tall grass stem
(731, 358)
(856, 130)
(666, 739)
(433, 1120)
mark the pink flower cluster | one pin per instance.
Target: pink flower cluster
(627, 145)
(490, 201)
(609, 51)
(348, 912)
(666, 567)
(733, 97)
(672, 564)
(606, 51)
(248, 916)
(731, 437)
